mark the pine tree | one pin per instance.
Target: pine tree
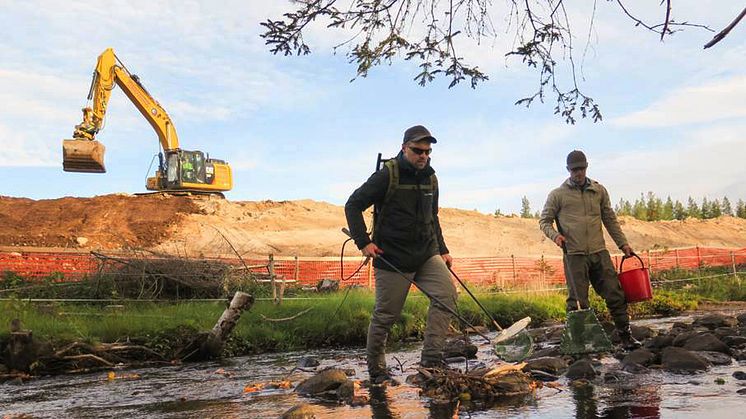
(679, 212)
(639, 209)
(692, 209)
(654, 207)
(740, 209)
(705, 209)
(525, 208)
(726, 207)
(715, 210)
(667, 212)
(624, 207)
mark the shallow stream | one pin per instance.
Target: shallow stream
(217, 390)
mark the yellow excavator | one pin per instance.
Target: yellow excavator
(179, 171)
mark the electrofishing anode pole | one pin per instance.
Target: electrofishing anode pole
(427, 294)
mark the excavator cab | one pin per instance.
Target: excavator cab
(185, 170)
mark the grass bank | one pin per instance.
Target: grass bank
(328, 322)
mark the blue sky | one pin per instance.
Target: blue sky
(297, 128)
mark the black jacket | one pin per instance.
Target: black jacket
(408, 229)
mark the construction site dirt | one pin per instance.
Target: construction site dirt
(210, 226)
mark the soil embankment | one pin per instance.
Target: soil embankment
(197, 226)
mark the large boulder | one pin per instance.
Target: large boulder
(682, 361)
(328, 380)
(706, 342)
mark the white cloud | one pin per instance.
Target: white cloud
(704, 162)
(715, 100)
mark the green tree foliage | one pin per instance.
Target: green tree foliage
(740, 209)
(667, 212)
(652, 208)
(692, 209)
(525, 208)
(679, 212)
(726, 207)
(432, 33)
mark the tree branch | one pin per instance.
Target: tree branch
(722, 34)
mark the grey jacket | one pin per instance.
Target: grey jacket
(579, 214)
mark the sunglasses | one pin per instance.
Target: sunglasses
(421, 151)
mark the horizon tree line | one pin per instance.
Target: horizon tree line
(653, 208)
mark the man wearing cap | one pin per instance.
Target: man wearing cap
(407, 234)
(579, 207)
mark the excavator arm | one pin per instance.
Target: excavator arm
(83, 153)
(179, 171)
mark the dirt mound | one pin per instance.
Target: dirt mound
(104, 222)
(197, 226)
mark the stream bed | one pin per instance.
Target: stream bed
(217, 389)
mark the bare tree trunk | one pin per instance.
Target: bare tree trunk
(209, 345)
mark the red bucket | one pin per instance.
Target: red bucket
(635, 282)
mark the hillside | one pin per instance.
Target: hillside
(197, 226)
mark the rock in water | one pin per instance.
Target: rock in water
(327, 380)
(680, 360)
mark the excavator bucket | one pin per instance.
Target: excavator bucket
(83, 156)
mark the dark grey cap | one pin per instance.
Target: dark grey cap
(576, 160)
(418, 133)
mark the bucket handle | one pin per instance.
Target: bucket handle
(630, 257)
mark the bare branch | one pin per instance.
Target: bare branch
(722, 34)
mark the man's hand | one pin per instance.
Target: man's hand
(627, 250)
(560, 240)
(371, 250)
(447, 259)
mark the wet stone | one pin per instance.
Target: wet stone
(542, 376)
(741, 319)
(716, 358)
(741, 391)
(551, 365)
(722, 332)
(322, 382)
(659, 342)
(682, 338)
(713, 321)
(300, 411)
(706, 342)
(739, 375)
(308, 362)
(635, 368)
(735, 341)
(680, 360)
(640, 356)
(460, 347)
(551, 351)
(581, 369)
